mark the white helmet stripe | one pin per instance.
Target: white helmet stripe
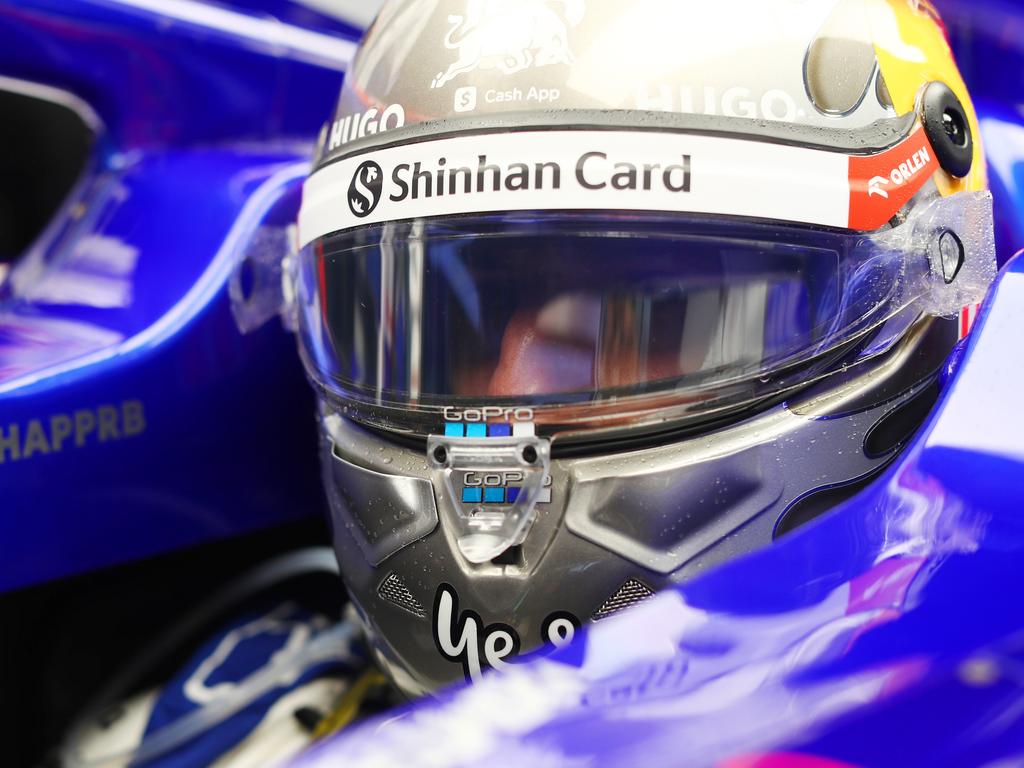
(579, 170)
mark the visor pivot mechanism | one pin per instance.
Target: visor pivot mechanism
(948, 129)
(263, 283)
(493, 484)
(952, 255)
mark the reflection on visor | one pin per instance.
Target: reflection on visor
(571, 309)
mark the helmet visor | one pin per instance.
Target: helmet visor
(592, 316)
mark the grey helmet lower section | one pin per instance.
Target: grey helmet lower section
(618, 526)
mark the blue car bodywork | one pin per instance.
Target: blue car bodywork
(136, 420)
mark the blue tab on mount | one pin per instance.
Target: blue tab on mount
(453, 430)
(476, 430)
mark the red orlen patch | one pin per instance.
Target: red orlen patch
(783, 760)
(880, 185)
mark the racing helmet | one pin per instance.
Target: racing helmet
(596, 295)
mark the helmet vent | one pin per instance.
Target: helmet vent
(840, 64)
(393, 590)
(629, 594)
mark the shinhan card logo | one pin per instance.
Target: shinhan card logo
(364, 192)
(590, 171)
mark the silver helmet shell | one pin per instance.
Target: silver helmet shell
(599, 294)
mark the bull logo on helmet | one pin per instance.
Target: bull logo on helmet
(510, 35)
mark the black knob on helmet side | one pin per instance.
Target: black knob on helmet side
(948, 129)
